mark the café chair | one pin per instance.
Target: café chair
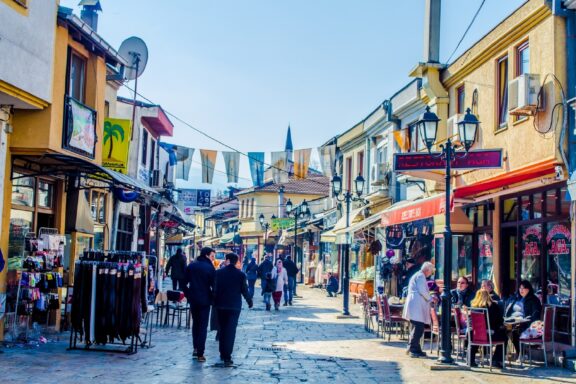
(178, 307)
(434, 331)
(480, 334)
(368, 311)
(460, 330)
(547, 337)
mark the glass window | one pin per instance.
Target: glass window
(537, 204)
(77, 79)
(510, 210)
(502, 91)
(461, 256)
(523, 59)
(460, 106)
(416, 142)
(23, 190)
(558, 242)
(551, 203)
(525, 208)
(531, 254)
(485, 259)
(45, 194)
(21, 223)
(144, 146)
(564, 203)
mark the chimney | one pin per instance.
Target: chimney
(89, 12)
(432, 31)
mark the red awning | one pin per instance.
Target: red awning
(408, 211)
(506, 179)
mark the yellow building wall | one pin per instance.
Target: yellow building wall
(476, 69)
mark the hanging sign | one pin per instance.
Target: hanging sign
(395, 236)
(282, 223)
(489, 158)
(194, 198)
(116, 144)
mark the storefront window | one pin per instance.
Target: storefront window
(551, 202)
(45, 194)
(558, 242)
(461, 256)
(531, 254)
(21, 224)
(537, 203)
(485, 258)
(510, 210)
(23, 190)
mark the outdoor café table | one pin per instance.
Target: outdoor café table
(512, 325)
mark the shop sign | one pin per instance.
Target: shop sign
(191, 198)
(282, 223)
(116, 144)
(531, 239)
(558, 240)
(395, 236)
(80, 129)
(330, 219)
(487, 158)
(418, 210)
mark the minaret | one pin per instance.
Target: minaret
(289, 148)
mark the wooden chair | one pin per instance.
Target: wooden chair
(546, 338)
(391, 321)
(480, 334)
(367, 310)
(460, 331)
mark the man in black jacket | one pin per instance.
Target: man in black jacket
(177, 263)
(290, 289)
(199, 292)
(265, 267)
(229, 287)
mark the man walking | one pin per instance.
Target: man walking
(229, 287)
(290, 288)
(177, 263)
(199, 292)
(264, 269)
(251, 275)
(417, 308)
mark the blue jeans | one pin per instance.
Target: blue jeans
(290, 290)
(251, 287)
(267, 297)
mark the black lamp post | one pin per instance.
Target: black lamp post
(265, 227)
(348, 197)
(428, 128)
(299, 211)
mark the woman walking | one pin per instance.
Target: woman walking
(281, 276)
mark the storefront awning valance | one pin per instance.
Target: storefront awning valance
(53, 164)
(407, 211)
(459, 222)
(534, 171)
(355, 215)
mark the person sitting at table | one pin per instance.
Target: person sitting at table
(488, 285)
(483, 299)
(463, 294)
(524, 304)
(332, 285)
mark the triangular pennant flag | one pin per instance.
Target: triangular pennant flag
(402, 139)
(208, 164)
(327, 159)
(280, 172)
(170, 148)
(301, 162)
(232, 163)
(257, 167)
(184, 156)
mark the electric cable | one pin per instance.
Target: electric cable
(466, 31)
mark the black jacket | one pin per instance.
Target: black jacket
(200, 281)
(532, 307)
(264, 267)
(291, 268)
(177, 264)
(462, 297)
(252, 271)
(229, 287)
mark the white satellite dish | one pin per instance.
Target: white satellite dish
(135, 52)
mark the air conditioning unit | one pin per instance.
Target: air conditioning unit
(157, 179)
(452, 127)
(380, 174)
(523, 95)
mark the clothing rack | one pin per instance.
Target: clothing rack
(109, 301)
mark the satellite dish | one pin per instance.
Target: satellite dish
(135, 52)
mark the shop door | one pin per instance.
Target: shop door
(508, 260)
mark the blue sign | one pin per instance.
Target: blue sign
(195, 198)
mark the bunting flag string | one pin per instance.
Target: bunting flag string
(280, 170)
(301, 162)
(232, 163)
(257, 167)
(402, 138)
(208, 158)
(327, 159)
(184, 156)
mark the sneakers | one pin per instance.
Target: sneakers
(195, 354)
(201, 359)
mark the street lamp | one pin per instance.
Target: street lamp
(348, 197)
(265, 226)
(299, 211)
(467, 128)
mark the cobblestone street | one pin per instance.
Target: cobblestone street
(303, 343)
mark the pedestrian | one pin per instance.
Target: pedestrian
(264, 269)
(251, 275)
(291, 271)
(281, 277)
(177, 264)
(417, 308)
(229, 287)
(199, 293)
(332, 285)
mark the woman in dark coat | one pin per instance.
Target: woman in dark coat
(524, 304)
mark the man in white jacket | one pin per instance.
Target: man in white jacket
(417, 308)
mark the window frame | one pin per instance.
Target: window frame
(460, 99)
(521, 48)
(100, 194)
(81, 97)
(145, 135)
(502, 96)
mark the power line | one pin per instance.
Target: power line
(466, 31)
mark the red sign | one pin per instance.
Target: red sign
(418, 210)
(489, 158)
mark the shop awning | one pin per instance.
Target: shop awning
(53, 164)
(328, 237)
(355, 215)
(361, 224)
(459, 222)
(407, 211)
(227, 238)
(534, 171)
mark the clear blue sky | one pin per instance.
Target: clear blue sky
(242, 70)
